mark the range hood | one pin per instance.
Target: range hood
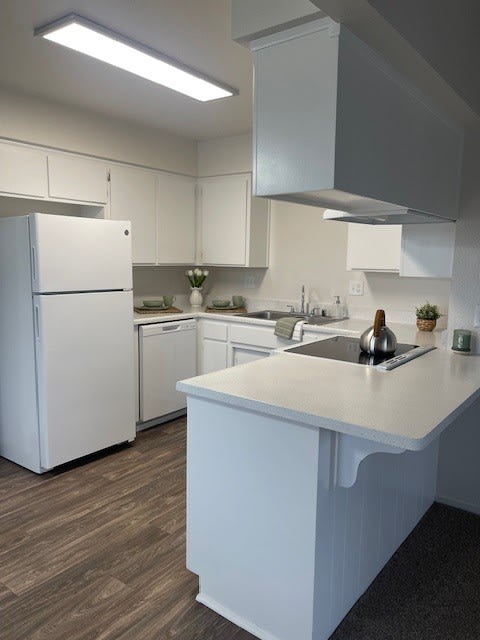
(397, 216)
(335, 126)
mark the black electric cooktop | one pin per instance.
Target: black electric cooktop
(347, 349)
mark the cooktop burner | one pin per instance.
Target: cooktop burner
(348, 350)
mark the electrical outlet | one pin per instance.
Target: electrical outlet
(355, 287)
(250, 281)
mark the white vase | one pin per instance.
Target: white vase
(196, 298)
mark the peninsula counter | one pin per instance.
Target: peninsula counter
(305, 475)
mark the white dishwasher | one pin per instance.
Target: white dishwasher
(167, 354)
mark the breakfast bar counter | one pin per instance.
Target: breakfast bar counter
(407, 407)
(304, 476)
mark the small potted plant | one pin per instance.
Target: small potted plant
(427, 316)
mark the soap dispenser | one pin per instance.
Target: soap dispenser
(337, 309)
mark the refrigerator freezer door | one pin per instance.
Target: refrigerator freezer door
(84, 352)
(79, 254)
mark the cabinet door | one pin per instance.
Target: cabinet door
(75, 178)
(214, 345)
(427, 250)
(224, 208)
(176, 219)
(132, 197)
(23, 171)
(374, 247)
(214, 355)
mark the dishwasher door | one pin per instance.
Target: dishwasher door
(167, 354)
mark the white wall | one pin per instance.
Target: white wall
(38, 121)
(304, 249)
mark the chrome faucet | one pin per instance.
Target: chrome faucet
(302, 305)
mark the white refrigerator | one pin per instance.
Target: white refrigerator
(66, 338)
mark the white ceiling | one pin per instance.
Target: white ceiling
(196, 32)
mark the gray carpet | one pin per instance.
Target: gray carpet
(429, 590)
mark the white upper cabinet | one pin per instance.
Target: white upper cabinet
(415, 251)
(337, 127)
(176, 223)
(374, 247)
(234, 226)
(161, 208)
(133, 197)
(427, 250)
(23, 171)
(75, 178)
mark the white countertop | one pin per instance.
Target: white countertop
(350, 327)
(406, 407)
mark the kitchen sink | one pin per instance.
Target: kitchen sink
(269, 314)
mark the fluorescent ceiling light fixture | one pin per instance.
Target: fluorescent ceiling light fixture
(98, 42)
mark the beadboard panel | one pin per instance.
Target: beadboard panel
(277, 550)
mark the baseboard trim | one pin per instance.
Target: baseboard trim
(233, 617)
(459, 504)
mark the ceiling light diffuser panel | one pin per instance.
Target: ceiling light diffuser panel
(99, 42)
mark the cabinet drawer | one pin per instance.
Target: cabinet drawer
(215, 330)
(258, 336)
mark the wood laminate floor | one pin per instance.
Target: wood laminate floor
(96, 551)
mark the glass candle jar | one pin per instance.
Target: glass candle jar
(461, 340)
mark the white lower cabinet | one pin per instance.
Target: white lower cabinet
(213, 352)
(250, 342)
(214, 355)
(226, 344)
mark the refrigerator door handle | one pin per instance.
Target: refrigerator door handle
(36, 313)
(34, 265)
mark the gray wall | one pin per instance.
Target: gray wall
(255, 18)
(445, 33)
